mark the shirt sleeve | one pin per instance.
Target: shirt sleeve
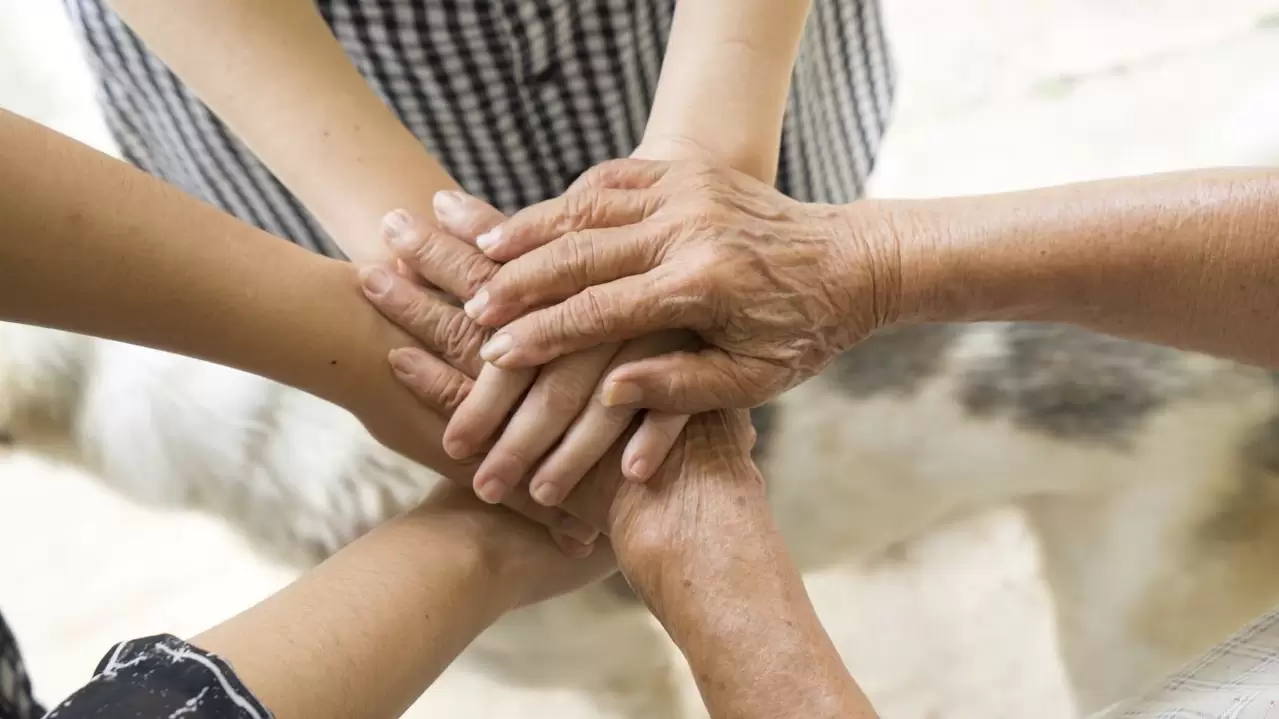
(162, 677)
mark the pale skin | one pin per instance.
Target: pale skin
(283, 84)
(135, 260)
(776, 288)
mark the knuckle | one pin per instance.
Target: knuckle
(476, 270)
(563, 394)
(590, 312)
(572, 258)
(449, 390)
(419, 315)
(457, 337)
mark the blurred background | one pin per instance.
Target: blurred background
(993, 95)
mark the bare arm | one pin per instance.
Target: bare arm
(363, 634)
(1188, 259)
(725, 81)
(91, 245)
(700, 546)
(276, 75)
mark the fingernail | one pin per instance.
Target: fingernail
(576, 549)
(639, 470)
(490, 491)
(456, 448)
(448, 206)
(489, 240)
(403, 362)
(545, 494)
(493, 350)
(617, 394)
(376, 281)
(397, 227)
(475, 307)
(577, 529)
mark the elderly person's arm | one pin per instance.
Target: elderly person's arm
(777, 288)
(699, 545)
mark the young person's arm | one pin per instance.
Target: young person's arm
(91, 245)
(366, 632)
(724, 85)
(276, 75)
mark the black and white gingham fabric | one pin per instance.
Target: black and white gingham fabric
(516, 98)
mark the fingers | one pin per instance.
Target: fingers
(620, 310)
(561, 390)
(535, 226)
(557, 520)
(441, 328)
(443, 260)
(485, 408)
(648, 447)
(434, 383)
(565, 267)
(692, 383)
(464, 216)
(593, 432)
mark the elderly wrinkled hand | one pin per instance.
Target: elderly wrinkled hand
(776, 288)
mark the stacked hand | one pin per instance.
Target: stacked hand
(734, 292)
(561, 429)
(775, 288)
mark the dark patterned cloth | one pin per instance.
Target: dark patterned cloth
(160, 677)
(16, 700)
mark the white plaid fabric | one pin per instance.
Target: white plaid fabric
(515, 98)
(1237, 679)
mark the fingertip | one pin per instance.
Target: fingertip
(638, 470)
(489, 242)
(375, 281)
(456, 448)
(621, 393)
(546, 494)
(489, 490)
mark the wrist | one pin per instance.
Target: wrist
(480, 545)
(866, 275)
(755, 158)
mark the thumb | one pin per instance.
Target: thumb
(691, 383)
(465, 216)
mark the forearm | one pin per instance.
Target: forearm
(1187, 259)
(726, 78)
(91, 245)
(276, 75)
(364, 633)
(716, 574)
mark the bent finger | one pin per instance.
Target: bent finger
(691, 383)
(563, 268)
(443, 329)
(648, 447)
(442, 259)
(613, 312)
